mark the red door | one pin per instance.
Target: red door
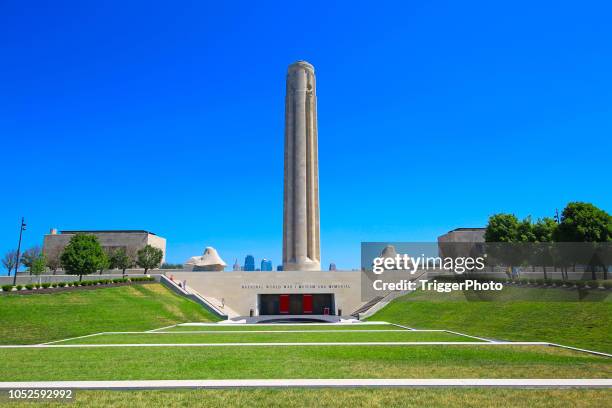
(284, 304)
(307, 304)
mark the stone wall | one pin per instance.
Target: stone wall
(54, 244)
(238, 290)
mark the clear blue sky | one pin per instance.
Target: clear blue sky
(169, 117)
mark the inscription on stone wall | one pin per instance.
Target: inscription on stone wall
(295, 286)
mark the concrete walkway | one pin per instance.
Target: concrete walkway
(312, 383)
(347, 343)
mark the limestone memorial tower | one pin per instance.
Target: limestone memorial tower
(301, 250)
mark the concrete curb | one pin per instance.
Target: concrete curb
(301, 344)
(310, 383)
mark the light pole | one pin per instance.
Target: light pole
(21, 229)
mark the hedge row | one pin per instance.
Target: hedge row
(31, 286)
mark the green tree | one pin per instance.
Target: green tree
(119, 259)
(502, 228)
(525, 231)
(29, 256)
(544, 230)
(583, 222)
(149, 257)
(105, 262)
(9, 259)
(53, 262)
(38, 266)
(83, 255)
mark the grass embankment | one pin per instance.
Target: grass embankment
(332, 397)
(259, 337)
(40, 318)
(517, 314)
(451, 361)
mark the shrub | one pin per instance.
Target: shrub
(607, 284)
(117, 280)
(7, 288)
(29, 286)
(539, 281)
(19, 287)
(593, 284)
(53, 284)
(580, 284)
(62, 284)
(46, 285)
(150, 278)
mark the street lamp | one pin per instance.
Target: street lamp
(21, 229)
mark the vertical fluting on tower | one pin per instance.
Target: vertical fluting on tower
(301, 247)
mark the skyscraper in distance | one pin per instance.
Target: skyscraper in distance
(266, 265)
(249, 263)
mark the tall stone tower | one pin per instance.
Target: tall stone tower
(301, 250)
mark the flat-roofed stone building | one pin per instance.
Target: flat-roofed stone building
(462, 242)
(130, 240)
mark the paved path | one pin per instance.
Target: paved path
(346, 343)
(314, 383)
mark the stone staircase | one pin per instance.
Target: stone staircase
(193, 295)
(364, 308)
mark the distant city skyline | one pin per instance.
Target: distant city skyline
(266, 265)
(249, 263)
(424, 123)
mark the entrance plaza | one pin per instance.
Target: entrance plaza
(317, 295)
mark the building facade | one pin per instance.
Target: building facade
(129, 240)
(462, 242)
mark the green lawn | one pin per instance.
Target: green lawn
(284, 327)
(451, 361)
(251, 337)
(28, 319)
(517, 314)
(333, 397)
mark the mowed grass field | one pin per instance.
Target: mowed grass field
(37, 318)
(335, 397)
(138, 309)
(263, 362)
(330, 336)
(553, 315)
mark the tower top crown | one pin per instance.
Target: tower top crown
(302, 64)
